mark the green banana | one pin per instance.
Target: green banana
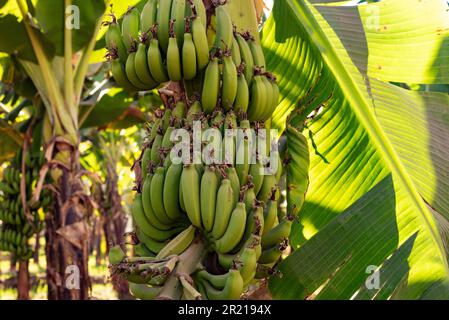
(141, 250)
(278, 233)
(188, 57)
(171, 191)
(229, 82)
(114, 40)
(194, 113)
(199, 37)
(248, 260)
(155, 150)
(151, 244)
(148, 209)
(144, 291)
(119, 74)
(216, 280)
(190, 184)
(179, 244)
(148, 16)
(200, 11)
(258, 104)
(174, 66)
(131, 74)
(235, 51)
(155, 61)
(130, 27)
(257, 174)
(269, 89)
(209, 97)
(272, 254)
(241, 102)
(142, 69)
(208, 196)
(269, 184)
(223, 210)
(224, 30)
(257, 53)
(157, 194)
(247, 58)
(244, 154)
(178, 10)
(163, 22)
(234, 231)
(232, 290)
(144, 225)
(270, 215)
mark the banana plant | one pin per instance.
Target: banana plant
(55, 42)
(374, 222)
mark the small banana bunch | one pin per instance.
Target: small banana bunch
(170, 41)
(167, 41)
(226, 202)
(16, 228)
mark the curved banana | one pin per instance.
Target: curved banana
(232, 290)
(270, 215)
(171, 191)
(257, 53)
(130, 27)
(119, 74)
(208, 196)
(224, 29)
(269, 89)
(163, 22)
(116, 255)
(234, 231)
(241, 102)
(258, 104)
(188, 57)
(229, 82)
(247, 58)
(199, 37)
(131, 74)
(269, 184)
(178, 10)
(235, 183)
(142, 69)
(209, 96)
(272, 254)
(174, 66)
(155, 150)
(114, 40)
(157, 194)
(155, 61)
(144, 225)
(223, 209)
(190, 184)
(179, 244)
(144, 291)
(278, 233)
(256, 172)
(248, 260)
(148, 16)
(150, 243)
(235, 51)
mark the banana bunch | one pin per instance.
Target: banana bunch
(226, 201)
(16, 228)
(167, 41)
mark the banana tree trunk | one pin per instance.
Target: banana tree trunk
(67, 236)
(23, 281)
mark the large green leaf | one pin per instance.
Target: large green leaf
(377, 157)
(51, 17)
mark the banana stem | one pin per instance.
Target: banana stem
(53, 88)
(188, 262)
(68, 69)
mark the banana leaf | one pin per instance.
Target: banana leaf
(377, 204)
